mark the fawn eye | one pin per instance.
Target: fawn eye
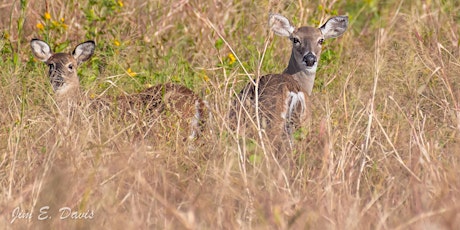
(321, 41)
(295, 40)
(70, 66)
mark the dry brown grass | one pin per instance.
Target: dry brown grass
(382, 153)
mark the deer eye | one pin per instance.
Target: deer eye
(295, 40)
(70, 66)
(321, 41)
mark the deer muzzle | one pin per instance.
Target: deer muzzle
(309, 59)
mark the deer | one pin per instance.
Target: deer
(151, 102)
(281, 101)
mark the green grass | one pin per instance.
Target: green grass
(382, 150)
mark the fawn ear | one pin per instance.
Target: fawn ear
(334, 27)
(40, 49)
(280, 25)
(84, 51)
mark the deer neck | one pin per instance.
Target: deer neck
(68, 96)
(305, 77)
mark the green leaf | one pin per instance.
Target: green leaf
(219, 43)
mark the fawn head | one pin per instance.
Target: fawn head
(63, 66)
(306, 41)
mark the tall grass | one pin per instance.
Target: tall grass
(382, 150)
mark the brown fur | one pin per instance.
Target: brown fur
(173, 101)
(272, 95)
(146, 107)
(282, 99)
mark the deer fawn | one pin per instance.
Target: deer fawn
(282, 98)
(154, 101)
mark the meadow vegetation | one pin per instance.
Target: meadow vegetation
(382, 150)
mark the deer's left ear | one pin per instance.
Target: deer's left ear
(334, 27)
(84, 51)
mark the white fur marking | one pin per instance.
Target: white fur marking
(312, 70)
(286, 105)
(63, 89)
(195, 121)
(296, 98)
(291, 103)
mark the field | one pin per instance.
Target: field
(382, 150)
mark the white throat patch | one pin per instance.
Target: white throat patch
(312, 70)
(63, 89)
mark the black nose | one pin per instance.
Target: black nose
(309, 59)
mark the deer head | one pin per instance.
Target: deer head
(306, 43)
(63, 66)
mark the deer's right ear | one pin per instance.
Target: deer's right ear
(280, 25)
(40, 49)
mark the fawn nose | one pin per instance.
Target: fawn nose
(309, 59)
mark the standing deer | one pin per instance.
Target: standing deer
(282, 99)
(154, 101)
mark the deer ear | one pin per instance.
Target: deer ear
(84, 51)
(280, 25)
(40, 49)
(334, 27)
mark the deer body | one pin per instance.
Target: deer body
(283, 98)
(148, 104)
